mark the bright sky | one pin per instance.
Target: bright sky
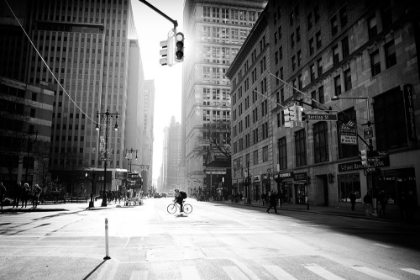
(153, 28)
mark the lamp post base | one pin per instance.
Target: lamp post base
(91, 204)
(104, 199)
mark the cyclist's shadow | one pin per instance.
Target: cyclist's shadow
(180, 215)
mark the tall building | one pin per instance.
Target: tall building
(215, 30)
(172, 178)
(353, 68)
(25, 129)
(252, 152)
(86, 44)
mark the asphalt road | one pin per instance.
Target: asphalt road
(216, 241)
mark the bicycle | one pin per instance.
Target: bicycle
(172, 208)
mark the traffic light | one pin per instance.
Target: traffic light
(289, 116)
(298, 113)
(167, 52)
(179, 47)
(363, 157)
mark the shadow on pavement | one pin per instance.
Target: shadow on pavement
(93, 271)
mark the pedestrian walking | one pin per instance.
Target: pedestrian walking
(263, 198)
(352, 200)
(2, 194)
(36, 196)
(367, 199)
(272, 202)
(17, 194)
(25, 192)
(382, 202)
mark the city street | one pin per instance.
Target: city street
(216, 241)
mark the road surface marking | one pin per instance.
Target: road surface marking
(374, 273)
(382, 245)
(323, 272)
(189, 272)
(139, 275)
(234, 273)
(411, 270)
(278, 272)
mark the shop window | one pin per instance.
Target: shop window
(321, 142)
(300, 144)
(397, 184)
(346, 150)
(347, 184)
(390, 126)
(282, 147)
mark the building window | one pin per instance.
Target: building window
(32, 113)
(337, 85)
(312, 70)
(316, 13)
(265, 153)
(311, 46)
(345, 46)
(293, 63)
(386, 14)
(390, 125)
(321, 142)
(255, 157)
(345, 118)
(391, 57)
(372, 28)
(292, 40)
(265, 130)
(343, 16)
(318, 40)
(313, 97)
(320, 69)
(298, 34)
(310, 24)
(347, 80)
(282, 147)
(336, 55)
(347, 184)
(334, 25)
(300, 144)
(375, 63)
(321, 95)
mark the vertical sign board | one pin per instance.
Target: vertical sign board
(102, 144)
(409, 112)
(348, 134)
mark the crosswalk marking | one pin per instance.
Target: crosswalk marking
(189, 272)
(323, 272)
(278, 272)
(234, 273)
(139, 275)
(374, 273)
(411, 270)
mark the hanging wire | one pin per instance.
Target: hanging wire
(49, 70)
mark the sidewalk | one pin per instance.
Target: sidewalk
(391, 216)
(69, 206)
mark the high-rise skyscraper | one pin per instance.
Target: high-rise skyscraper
(86, 46)
(215, 31)
(172, 156)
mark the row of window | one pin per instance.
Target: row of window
(245, 142)
(225, 15)
(238, 164)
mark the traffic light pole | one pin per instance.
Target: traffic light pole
(175, 23)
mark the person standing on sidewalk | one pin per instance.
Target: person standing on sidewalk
(368, 203)
(352, 200)
(37, 194)
(25, 191)
(17, 194)
(2, 194)
(272, 202)
(382, 202)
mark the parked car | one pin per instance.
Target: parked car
(163, 194)
(157, 195)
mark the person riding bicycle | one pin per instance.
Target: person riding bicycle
(179, 198)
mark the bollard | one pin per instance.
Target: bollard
(107, 257)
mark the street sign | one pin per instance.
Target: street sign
(348, 134)
(377, 154)
(321, 117)
(368, 132)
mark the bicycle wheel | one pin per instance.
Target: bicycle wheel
(187, 208)
(171, 208)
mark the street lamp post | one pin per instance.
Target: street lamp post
(129, 157)
(107, 116)
(370, 146)
(93, 189)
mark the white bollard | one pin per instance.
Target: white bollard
(107, 257)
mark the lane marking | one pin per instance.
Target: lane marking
(278, 272)
(189, 272)
(374, 273)
(383, 245)
(234, 273)
(139, 275)
(411, 270)
(323, 272)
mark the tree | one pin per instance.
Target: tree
(41, 153)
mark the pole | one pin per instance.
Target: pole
(104, 198)
(107, 257)
(175, 23)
